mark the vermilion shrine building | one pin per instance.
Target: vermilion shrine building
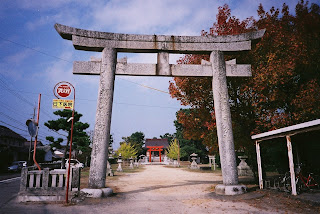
(156, 149)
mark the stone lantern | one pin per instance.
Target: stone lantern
(119, 163)
(131, 163)
(212, 161)
(194, 164)
(110, 157)
(141, 160)
(243, 168)
(136, 163)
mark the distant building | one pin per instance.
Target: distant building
(11, 147)
(10, 138)
(153, 146)
(46, 152)
(27, 143)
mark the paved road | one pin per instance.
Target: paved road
(7, 175)
(8, 190)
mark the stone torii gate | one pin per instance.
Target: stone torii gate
(107, 67)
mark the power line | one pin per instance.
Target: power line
(16, 112)
(144, 85)
(23, 130)
(44, 53)
(13, 126)
(11, 109)
(22, 124)
(14, 120)
(130, 104)
(5, 85)
(57, 132)
(146, 105)
(14, 92)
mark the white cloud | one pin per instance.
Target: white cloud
(11, 65)
(19, 57)
(56, 71)
(33, 25)
(141, 16)
(65, 16)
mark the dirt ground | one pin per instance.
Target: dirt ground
(174, 190)
(159, 189)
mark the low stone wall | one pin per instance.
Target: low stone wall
(47, 185)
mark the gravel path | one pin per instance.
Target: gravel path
(159, 189)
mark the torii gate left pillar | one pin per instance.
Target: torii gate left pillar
(103, 119)
(110, 43)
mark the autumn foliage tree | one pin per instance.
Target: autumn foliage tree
(284, 88)
(173, 150)
(127, 151)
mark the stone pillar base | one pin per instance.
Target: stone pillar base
(222, 189)
(97, 193)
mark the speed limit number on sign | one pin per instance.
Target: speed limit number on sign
(62, 90)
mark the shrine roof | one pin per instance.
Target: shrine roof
(157, 142)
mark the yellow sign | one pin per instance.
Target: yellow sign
(62, 104)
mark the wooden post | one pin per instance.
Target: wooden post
(291, 166)
(160, 154)
(259, 165)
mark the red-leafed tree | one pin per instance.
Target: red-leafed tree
(284, 88)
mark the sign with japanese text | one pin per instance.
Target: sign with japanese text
(62, 104)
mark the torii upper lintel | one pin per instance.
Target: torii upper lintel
(96, 41)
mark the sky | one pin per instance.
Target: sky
(34, 58)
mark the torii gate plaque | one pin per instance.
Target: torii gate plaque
(107, 67)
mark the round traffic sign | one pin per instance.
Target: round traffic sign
(62, 90)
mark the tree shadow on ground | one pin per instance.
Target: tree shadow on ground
(185, 183)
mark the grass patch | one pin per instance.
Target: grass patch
(186, 164)
(84, 178)
(126, 169)
(216, 172)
